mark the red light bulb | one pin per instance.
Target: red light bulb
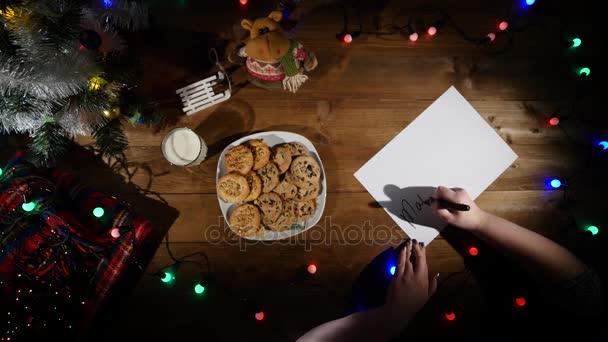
(492, 36)
(312, 269)
(520, 301)
(554, 121)
(503, 25)
(450, 316)
(413, 37)
(347, 38)
(473, 251)
(432, 31)
(243, 2)
(115, 232)
(259, 316)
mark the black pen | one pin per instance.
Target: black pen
(445, 204)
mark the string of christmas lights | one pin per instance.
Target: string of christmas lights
(438, 19)
(167, 274)
(442, 19)
(48, 303)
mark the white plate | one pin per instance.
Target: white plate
(272, 139)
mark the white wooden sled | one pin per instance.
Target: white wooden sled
(200, 95)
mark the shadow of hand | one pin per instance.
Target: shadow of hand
(411, 204)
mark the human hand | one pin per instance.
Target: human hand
(468, 220)
(411, 286)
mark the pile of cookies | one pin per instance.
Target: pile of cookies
(274, 188)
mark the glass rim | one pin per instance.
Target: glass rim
(200, 150)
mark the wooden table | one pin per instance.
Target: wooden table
(357, 100)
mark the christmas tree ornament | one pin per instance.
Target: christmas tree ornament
(7, 13)
(136, 118)
(90, 39)
(283, 64)
(95, 83)
(110, 40)
(50, 76)
(111, 113)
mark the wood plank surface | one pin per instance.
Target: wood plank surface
(535, 164)
(263, 273)
(360, 97)
(357, 100)
(349, 218)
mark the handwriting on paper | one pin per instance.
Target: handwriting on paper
(412, 209)
(483, 156)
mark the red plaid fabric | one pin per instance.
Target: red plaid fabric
(59, 254)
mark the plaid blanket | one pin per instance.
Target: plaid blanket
(58, 262)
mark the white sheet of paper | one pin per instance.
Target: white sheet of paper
(448, 144)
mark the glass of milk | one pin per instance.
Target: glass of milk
(182, 147)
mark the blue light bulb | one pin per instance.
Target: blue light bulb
(603, 144)
(530, 2)
(556, 183)
(392, 270)
(107, 3)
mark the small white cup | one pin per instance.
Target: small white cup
(183, 147)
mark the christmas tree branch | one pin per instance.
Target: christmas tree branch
(51, 79)
(110, 139)
(19, 103)
(125, 14)
(49, 142)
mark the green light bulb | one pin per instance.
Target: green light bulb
(576, 42)
(584, 72)
(167, 277)
(0, 171)
(98, 212)
(198, 288)
(29, 206)
(593, 229)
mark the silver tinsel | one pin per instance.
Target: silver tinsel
(80, 122)
(128, 15)
(21, 122)
(48, 67)
(110, 40)
(51, 79)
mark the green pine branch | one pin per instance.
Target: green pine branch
(110, 138)
(49, 142)
(57, 21)
(13, 103)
